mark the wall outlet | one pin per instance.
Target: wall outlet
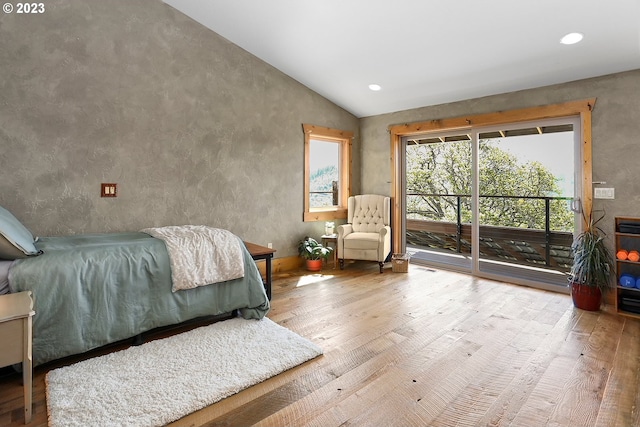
(270, 245)
(604, 193)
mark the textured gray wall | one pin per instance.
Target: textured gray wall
(192, 128)
(616, 134)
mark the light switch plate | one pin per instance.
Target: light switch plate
(108, 190)
(604, 193)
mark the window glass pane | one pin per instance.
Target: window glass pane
(324, 173)
(438, 195)
(523, 171)
(526, 186)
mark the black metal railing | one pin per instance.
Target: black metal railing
(334, 194)
(550, 236)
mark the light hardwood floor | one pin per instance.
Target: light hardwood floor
(427, 348)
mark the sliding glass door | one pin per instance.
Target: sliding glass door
(438, 198)
(495, 201)
(528, 178)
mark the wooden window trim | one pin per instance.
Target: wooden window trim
(580, 108)
(345, 139)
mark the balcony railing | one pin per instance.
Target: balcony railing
(319, 201)
(540, 247)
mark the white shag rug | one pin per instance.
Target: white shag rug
(162, 381)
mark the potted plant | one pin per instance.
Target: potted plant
(313, 252)
(590, 274)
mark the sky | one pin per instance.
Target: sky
(323, 154)
(554, 150)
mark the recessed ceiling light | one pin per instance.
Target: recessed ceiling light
(375, 87)
(571, 38)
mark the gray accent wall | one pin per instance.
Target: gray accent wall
(615, 139)
(193, 129)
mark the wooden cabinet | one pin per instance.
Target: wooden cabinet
(627, 241)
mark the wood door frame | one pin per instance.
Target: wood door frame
(582, 108)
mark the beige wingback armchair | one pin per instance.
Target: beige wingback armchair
(367, 235)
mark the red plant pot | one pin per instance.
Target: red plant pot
(586, 297)
(314, 264)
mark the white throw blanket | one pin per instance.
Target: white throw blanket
(200, 255)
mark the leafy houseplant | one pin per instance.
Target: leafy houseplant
(313, 252)
(590, 274)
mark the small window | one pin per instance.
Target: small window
(327, 172)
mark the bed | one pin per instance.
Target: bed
(95, 289)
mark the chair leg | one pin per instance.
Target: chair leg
(341, 264)
(381, 264)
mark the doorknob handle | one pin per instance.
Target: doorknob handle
(576, 206)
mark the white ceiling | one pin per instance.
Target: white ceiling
(426, 52)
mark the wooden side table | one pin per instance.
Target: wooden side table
(332, 241)
(16, 311)
(262, 252)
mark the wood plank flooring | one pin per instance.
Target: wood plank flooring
(426, 348)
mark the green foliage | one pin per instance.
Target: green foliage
(446, 169)
(592, 259)
(322, 180)
(310, 248)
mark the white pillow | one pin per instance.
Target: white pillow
(15, 240)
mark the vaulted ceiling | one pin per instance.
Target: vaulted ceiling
(426, 52)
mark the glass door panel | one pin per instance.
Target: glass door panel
(526, 186)
(438, 199)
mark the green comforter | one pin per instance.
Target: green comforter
(95, 289)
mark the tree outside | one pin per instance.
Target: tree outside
(321, 186)
(437, 173)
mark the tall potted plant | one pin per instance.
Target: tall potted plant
(590, 274)
(313, 252)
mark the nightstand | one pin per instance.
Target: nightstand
(262, 252)
(16, 311)
(331, 240)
